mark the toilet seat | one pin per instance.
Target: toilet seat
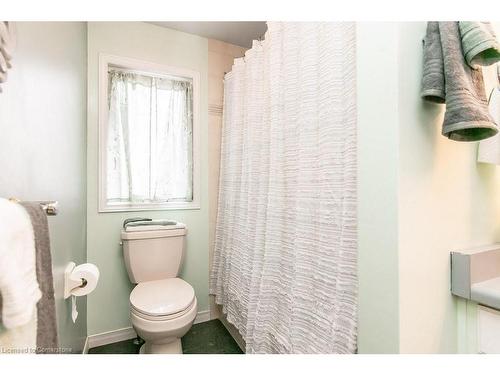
(162, 299)
(161, 318)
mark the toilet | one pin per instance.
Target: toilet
(162, 306)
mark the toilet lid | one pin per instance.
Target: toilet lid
(162, 297)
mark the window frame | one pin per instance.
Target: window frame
(105, 62)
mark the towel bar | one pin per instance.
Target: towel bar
(50, 207)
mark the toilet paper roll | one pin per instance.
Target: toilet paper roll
(88, 272)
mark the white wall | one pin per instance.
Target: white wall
(108, 305)
(42, 145)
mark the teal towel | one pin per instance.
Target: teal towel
(479, 43)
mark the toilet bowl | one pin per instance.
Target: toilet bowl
(162, 306)
(162, 311)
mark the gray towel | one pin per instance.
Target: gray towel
(479, 43)
(46, 336)
(150, 222)
(448, 78)
(433, 70)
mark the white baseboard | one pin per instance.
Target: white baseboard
(86, 346)
(111, 337)
(128, 333)
(202, 316)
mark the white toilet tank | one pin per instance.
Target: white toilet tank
(153, 252)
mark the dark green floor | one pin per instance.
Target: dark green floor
(205, 338)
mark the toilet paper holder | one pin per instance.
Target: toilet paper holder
(71, 283)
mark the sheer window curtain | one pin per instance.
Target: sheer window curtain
(149, 147)
(285, 254)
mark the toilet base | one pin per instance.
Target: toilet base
(174, 347)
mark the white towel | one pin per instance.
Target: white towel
(18, 283)
(19, 340)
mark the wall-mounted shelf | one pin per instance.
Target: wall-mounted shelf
(475, 275)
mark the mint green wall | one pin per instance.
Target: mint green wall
(108, 306)
(378, 317)
(467, 339)
(42, 145)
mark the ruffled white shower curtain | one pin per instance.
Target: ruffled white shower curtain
(284, 266)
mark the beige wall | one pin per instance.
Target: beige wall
(467, 310)
(420, 197)
(42, 145)
(447, 202)
(220, 60)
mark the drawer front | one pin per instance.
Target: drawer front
(488, 330)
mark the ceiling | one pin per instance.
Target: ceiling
(239, 33)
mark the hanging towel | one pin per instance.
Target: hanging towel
(433, 70)
(479, 43)
(447, 78)
(18, 281)
(489, 149)
(19, 340)
(46, 339)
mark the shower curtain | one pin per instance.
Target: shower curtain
(284, 265)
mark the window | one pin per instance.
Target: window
(148, 136)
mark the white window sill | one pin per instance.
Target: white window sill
(149, 207)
